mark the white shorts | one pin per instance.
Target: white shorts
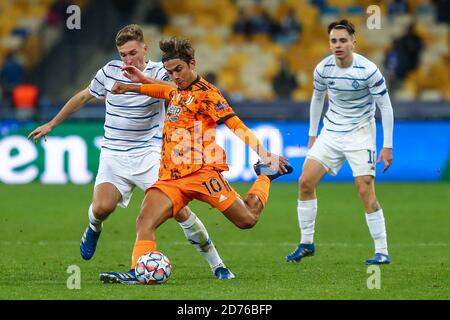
(128, 171)
(358, 147)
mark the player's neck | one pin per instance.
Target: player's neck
(346, 62)
(195, 79)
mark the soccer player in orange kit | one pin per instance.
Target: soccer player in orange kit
(191, 162)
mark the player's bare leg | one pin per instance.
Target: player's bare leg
(244, 213)
(198, 236)
(105, 199)
(156, 208)
(374, 218)
(312, 173)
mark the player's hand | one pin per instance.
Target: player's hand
(119, 88)
(311, 141)
(386, 157)
(134, 74)
(276, 162)
(39, 132)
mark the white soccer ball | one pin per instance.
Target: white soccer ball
(153, 268)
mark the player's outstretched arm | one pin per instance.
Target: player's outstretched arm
(120, 87)
(136, 75)
(153, 90)
(276, 162)
(73, 105)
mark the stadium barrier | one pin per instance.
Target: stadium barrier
(70, 154)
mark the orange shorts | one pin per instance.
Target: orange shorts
(206, 184)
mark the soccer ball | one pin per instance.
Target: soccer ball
(153, 268)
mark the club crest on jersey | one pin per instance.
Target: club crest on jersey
(186, 100)
(355, 84)
(173, 113)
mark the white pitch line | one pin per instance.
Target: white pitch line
(237, 244)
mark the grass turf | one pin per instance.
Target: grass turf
(40, 229)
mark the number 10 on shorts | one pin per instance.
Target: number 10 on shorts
(214, 185)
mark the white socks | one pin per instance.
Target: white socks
(197, 235)
(377, 228)
(307, 212)
(95, 224)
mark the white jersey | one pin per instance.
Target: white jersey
(133, 122)
(351, 92)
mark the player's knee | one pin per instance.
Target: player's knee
(102, 209)
(183, 214)
(365, 191)
(306, 185)
(247, 222)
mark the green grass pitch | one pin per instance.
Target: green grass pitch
(40, 229)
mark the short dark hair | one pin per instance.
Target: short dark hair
(342, 24)
(129, 33)
(177, 49)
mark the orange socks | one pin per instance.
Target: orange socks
(261, 188)
(141, 247)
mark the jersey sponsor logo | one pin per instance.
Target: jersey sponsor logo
(173, 113)
(222, 198)
(355, 84)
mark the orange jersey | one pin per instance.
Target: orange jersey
(189, 135)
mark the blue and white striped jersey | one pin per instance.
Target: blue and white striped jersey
(133, 122)
(351, 91)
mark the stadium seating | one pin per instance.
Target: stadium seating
(247, 65)
(20, 24)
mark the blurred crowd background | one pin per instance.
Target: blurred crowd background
(253, 50)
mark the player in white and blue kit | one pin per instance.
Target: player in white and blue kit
(355, 87)
(131, 148)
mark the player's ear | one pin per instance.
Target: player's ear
(192, 64)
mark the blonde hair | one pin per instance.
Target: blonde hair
(129, 33)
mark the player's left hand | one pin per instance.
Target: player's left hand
(134, 74)
(386, 157)
(276, 162)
